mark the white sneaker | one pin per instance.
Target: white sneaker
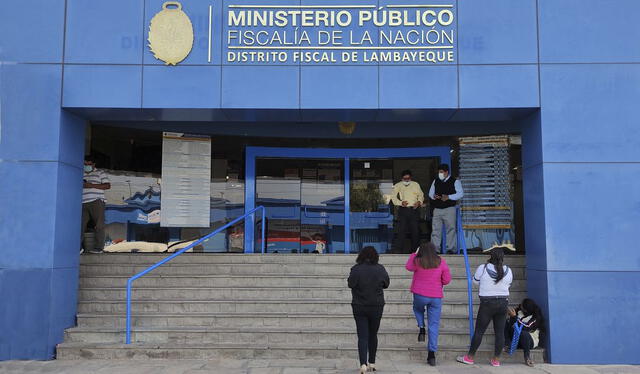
(372, 367)
(363, 369)
(81, 250)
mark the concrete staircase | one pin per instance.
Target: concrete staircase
(205, 306)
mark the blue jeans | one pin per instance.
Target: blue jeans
(433, 305)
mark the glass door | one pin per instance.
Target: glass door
(303, 192)
(373, 216)
(371, 212)
(304, 201)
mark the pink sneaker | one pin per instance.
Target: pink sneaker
(465, 360)
(494, 362)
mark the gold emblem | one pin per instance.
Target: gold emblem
(171, 34)
(347, 128)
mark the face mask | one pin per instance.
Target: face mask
(441, 176)
(406, 183)
(88, 168)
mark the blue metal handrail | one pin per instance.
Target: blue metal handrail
(181, 251)
(462, 244)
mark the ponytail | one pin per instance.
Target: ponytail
(497, 259)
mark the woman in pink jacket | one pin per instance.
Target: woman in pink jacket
(430, 275)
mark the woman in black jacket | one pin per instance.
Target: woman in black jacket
(529, 315)
(367, 280)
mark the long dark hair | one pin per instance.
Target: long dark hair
(497, 258)
(368, 255)
(427, 257)
(530, 308)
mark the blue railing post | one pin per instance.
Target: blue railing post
(263, 230)
(347, 206)
(462, 244)
(129, 281)
(181, 251)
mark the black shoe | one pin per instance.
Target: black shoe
(431, 359)
(96, 251)
(422, 334)
(451, 252)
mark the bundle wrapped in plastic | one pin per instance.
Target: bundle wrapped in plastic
(127, 247)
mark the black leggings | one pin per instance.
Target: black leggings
(525, 343)
(367, 323)
(491, 309)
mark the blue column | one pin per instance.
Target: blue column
(40, 196)
(41, 150)
(581, 179)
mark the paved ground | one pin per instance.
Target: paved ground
(287, 367)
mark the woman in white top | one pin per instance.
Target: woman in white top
(494, 280)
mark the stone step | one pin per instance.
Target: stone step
(207, 306)
(268, 335)
(248, 293)
(258, 320)
(82, 351)
(222, 258)
(253, 269)
(324, 306)
(261, 280)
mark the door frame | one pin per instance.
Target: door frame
(346, 154)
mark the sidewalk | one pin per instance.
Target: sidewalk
(287, 367)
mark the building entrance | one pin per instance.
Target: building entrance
(304, 190)
(335, 200)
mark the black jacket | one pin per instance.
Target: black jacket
(367, 282)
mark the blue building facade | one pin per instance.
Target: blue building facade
(565, 74)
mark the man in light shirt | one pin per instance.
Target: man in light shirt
(444, 193)
(408, 197)
(95, 182)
